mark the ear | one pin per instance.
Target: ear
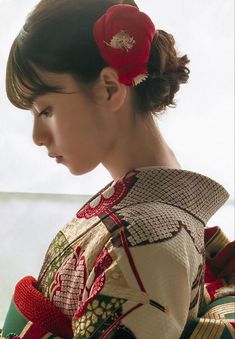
(113, 92)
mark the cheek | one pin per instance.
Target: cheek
(83, 131)
(65, 129)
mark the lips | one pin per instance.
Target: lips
(59, 159)
(55, 156)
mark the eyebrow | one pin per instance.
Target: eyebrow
(33, 111)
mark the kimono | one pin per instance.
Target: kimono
(136, 261)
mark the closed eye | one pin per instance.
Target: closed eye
(45, 112)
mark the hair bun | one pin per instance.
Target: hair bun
(167, 71)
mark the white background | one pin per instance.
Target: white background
(200, 131)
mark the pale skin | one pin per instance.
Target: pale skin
(86, 130)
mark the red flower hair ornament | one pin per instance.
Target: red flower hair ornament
(124, 36)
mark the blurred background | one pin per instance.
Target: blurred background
(38, 196)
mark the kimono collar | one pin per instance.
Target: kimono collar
(195, 193)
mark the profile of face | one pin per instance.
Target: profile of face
(79, 129)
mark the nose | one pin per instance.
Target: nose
(40, 133)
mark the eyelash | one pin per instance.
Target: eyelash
(44, 113)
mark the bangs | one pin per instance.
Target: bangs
(23, 84)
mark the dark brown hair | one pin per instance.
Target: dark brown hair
(57, 37)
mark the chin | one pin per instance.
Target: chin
(75, 171)
(80, 170)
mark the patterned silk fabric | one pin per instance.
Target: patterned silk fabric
(131, 263)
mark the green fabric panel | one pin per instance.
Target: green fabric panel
(221, 301)
(226, 334)
(15, 321)
(230, 315)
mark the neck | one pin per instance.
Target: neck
(140, 145)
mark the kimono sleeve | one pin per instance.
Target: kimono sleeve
(142, 291)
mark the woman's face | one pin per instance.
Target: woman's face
(74, 128)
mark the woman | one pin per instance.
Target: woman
(130, 264)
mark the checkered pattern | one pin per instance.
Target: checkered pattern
(193, 192)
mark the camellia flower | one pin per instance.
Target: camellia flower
(124, 36)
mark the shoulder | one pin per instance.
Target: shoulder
(160, 234)
(156, 222)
